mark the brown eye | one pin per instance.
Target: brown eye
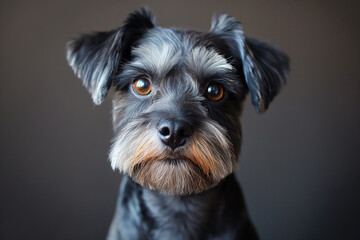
(214, 92)
(142, 86)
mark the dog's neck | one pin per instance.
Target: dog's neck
(191, 217)
(181, 214)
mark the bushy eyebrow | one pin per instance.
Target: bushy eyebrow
(156, 58)
(207, 61)
(159, 58)
(207, 65)
(127, 76)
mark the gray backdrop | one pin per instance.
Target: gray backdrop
(300, 160)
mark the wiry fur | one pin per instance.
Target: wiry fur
(187, 192)
(203, 163)
(265, 67)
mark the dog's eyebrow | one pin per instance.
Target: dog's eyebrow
(156, 59)
(128, 75)
(207, 65)
(230, 81)
(203, 61)
(158, 52)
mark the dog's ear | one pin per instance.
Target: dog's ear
(96, 57)
(265, 67)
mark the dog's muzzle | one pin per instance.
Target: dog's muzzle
(171, 157)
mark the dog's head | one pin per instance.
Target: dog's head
(178, 96)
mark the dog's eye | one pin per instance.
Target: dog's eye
(142, 86)
(214, 92)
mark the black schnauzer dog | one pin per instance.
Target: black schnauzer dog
(177, 102)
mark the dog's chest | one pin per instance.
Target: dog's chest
(176, 217)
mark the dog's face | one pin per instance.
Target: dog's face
(176, 113)
(178, 97)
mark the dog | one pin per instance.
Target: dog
(176, 107)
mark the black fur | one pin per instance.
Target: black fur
(96, 57)
(216, 214)
(270, 74)
(178, 192)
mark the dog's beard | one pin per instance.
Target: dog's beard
(202, 163)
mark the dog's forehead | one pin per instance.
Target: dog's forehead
(162, 50)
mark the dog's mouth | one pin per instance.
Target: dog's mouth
(179, 176)
(175, 161)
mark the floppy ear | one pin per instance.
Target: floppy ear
(265, 67)
(96, 57)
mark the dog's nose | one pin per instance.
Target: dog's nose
(174, 133)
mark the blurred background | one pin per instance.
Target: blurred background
(300, 164)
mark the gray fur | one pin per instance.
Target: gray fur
(172, 190)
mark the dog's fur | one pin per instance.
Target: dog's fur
(187, 190)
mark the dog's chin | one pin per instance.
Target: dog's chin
(174, 176)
